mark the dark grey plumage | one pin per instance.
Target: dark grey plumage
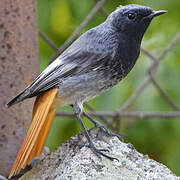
(98, 59)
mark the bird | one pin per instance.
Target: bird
(95, 62)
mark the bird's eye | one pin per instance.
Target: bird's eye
(131, 16)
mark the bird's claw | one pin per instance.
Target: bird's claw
(109, 133)
(102, 128)
(90, 146)
(98, 152)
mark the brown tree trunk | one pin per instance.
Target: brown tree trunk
(19, 65)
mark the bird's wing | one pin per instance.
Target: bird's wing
(72, 62)
(91, 51)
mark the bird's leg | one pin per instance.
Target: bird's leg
(97, 152)
(101, 127)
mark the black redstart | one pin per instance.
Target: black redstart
(95, 62)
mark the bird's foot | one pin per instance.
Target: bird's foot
(98, 152)
(108, 132)
(102, 128)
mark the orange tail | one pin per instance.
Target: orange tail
(43, 114)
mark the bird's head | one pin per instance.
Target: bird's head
(132, 19)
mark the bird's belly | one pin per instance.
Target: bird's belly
(81, 88)
(86, 86)
(84, 92)
(76, 96)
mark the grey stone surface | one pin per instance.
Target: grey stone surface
(70, 162)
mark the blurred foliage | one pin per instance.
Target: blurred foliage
(160, 138)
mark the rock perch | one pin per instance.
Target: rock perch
(72, 162)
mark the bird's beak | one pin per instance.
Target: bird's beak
(156, 13)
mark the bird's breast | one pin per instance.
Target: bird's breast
(122, 63)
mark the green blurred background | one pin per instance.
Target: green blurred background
(159, 138)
